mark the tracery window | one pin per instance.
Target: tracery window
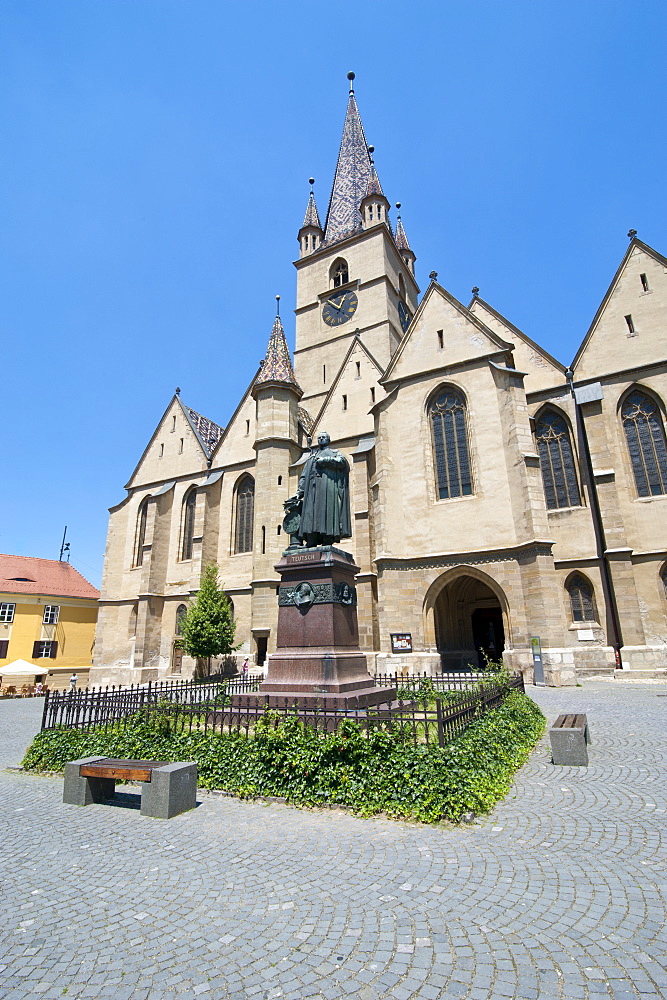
(181, 612)
(645, 436)
(582, 600)
(189, 508)
(340, 274)
(140, 540)
(245, 512)
(447, 415)
(559, 475)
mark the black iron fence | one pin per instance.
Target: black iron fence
(441, 709)
(461, 680)
(85, 707)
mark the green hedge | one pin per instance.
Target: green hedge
(366, 775)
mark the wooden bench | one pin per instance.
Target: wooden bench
(166, 789)
(569, 736)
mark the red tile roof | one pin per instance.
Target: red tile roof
(28, 575)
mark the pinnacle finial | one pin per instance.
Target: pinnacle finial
(632, 233)
(398, 206)
(178, 390)
(277, 305)
(433, 275)
(350, 77)
(311, 181)
(475, 292)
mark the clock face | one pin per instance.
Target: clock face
(339, 308)
(404, 315)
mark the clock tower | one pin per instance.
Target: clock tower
(355, 277)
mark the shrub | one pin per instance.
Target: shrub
(380, 772)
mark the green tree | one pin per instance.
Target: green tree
(208, 627)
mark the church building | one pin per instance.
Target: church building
(503, 504)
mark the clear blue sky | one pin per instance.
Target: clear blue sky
(154, 164)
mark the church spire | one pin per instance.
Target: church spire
(353, 173)
(374, 207)
(312, 217)
(277, 365)
(310, 234)
(406, 252)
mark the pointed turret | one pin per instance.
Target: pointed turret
(353, 173)
(277, 366)
(374, 207)
(311, 234)
(402, 242)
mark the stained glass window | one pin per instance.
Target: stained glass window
(581, 599)
(559, 476)
(181, 612)
(245, 512)
(453, 476)
(189, 508)
(645, 435)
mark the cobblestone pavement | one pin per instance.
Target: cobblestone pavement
(560, 893)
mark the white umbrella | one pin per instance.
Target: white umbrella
(21, 668)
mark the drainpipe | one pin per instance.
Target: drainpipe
(598, 526)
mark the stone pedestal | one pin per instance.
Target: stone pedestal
(317, 659)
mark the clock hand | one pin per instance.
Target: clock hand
(335, 306)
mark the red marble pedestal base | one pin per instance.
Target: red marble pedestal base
(318, 659)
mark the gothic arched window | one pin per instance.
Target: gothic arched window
(181, 612)
(582, 600)
(245, 512)
(140, 539)
(340, 274)
(645, 435)
(189, 508)
(559, 476)
(447, 415)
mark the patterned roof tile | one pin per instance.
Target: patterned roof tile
(374, 186)
(208, 433)
(306, 420)
(353, 173)
(401, 238)
(277, 365)
(312, 217)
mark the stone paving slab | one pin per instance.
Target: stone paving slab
(560, 893)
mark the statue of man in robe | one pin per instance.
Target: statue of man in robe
(322, 497)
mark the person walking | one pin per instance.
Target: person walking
(73, 681)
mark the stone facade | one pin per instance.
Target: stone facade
(496, 495)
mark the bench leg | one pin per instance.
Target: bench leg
(78, 791)
(171, 790)
(568, 747)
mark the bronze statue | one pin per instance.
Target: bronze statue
(319, 512)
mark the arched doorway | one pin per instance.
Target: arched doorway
(469, 626)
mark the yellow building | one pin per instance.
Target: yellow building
(48, 613)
